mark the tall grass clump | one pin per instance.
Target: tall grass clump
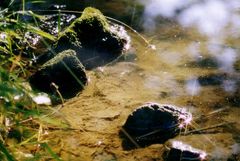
(23, 122)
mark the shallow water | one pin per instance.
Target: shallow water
(176, 67)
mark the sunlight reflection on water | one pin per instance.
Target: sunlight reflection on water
(193, 87)
(210, 17)
(164, 74)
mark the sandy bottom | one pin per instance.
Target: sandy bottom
(161, 76)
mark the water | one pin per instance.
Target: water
(188, 62)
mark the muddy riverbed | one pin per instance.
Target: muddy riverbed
(167, 75)
(175, 67)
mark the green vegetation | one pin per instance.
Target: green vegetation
(23, 122)
(88, 16)
(91, 14)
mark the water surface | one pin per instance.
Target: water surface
(187, 61)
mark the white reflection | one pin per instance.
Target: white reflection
(209, 18)
(164, 8)
(185, 147)
(3, 36)
(229, 85)
(236, 149)
(171, 57)
(214, 49)
(41, 99)
(234, 31)
(155, 8)
(162, 82)
(194, 51)
(213, 18)
(193, 87)
(226, 59)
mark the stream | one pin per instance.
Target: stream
(186, 62)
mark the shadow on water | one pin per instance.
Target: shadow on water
(217, 88)
(212, 79)
(204, 63)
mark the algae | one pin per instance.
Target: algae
(64, 72)
(95, 40)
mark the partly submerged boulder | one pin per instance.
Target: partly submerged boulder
(154, 123)
(179, 151)
(64, 72)
(96, 41)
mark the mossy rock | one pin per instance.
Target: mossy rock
(153, 123)
(96, 41)
(65, 71)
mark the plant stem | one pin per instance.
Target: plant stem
(208, 128)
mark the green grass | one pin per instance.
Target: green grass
(22, 121)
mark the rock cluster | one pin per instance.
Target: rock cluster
(88, 42)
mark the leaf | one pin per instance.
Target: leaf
(36, 15)
(58, 122)
(3, 49)
(40, 32)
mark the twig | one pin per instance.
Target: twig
(58, 92)
(23, 121)
(211, 113)
(129, 137)
(208, 128)
(156, 131)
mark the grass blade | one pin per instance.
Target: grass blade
(6, 153)
(41, 33)
(49, 150)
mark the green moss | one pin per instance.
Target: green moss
(65, 71)
(95, 41)
(59, 57)
(67, 32)
(88, 16)
(91, 14)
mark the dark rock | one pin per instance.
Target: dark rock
(96, 41)
(179, 151)
(212, 79)
(65, 71)
(154, 123)
(208, 62)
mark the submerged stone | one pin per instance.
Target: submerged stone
(65, 71)
(96, 41)
(237, 65)
(179, 151)
(212, 79)
(155, 123)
